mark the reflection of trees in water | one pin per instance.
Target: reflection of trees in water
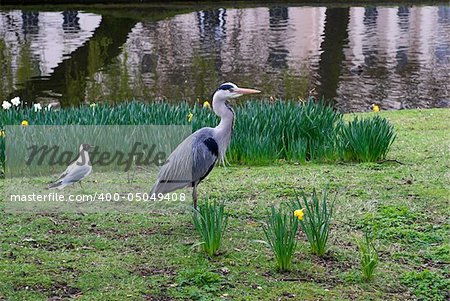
(6, 73)
(70, 77)
(75, 84)
(403, 14)
(443, 48)
(27, 67)
(370, 51)
(30, 22)
(444, 14)
(148, 63)
(96, 59)
(118, 80)
(205, 76)
(185, 57)
(220, 56)
(212, 33)
(400, 73)
(211, 26)
(93, 74)
(295, 86)
(335, 38)
(374, 58)
(402, 59)
(71, 21)
(278, 53)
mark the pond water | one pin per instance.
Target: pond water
(397, 57)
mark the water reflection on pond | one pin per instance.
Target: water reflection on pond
(398, 57)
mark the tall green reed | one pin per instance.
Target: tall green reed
(280, 231)
(316, 220)
(284, 130)
(264, 131)
(367, 139)
(368, 256)
(210, 221)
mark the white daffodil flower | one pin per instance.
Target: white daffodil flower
(15, 101)
(6, 105)
(37, 107)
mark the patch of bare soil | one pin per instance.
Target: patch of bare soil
(58, 291)
(330, 262)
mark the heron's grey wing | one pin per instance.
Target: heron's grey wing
(206, 152)
(77, 173)
(179, 163)
(189, 163)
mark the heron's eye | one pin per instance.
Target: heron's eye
(226, 87)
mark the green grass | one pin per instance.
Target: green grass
(427, 285)
(109, 256)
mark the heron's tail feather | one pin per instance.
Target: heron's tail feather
(163, 187)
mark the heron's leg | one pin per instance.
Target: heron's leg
(194, 195)
(80, 185)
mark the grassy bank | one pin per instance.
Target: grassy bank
(151, 256)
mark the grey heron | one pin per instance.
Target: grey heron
(76, 171)
(194, 158)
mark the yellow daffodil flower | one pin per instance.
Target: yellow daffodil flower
(299, 214)
(24, 123)
(189, 116)
(2, 134)
(375, 108)
(93, 105)
(206, 105)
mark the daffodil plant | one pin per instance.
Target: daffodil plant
(190, 116)
(368, 256)
(210, 221)
(280, 231)
(316, 220)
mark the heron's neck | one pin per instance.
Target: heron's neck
(225, 128)
(226, 114)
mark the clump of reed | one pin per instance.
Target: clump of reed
(367, 139)
(264, 131)
(318, 212)
(210, 221)
(280, 231)
(368, 256)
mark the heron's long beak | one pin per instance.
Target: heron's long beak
(246, 91)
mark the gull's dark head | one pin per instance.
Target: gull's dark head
(86, 147)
